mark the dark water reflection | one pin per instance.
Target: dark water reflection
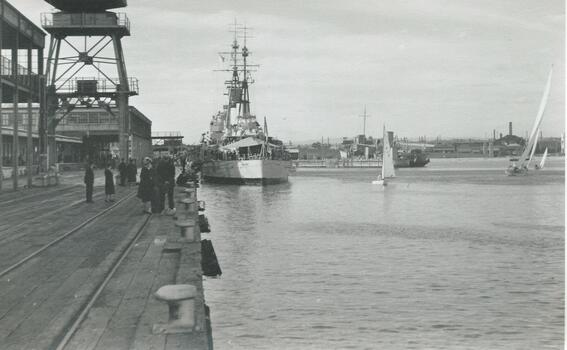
(453, 256)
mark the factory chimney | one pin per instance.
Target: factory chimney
(510, 128)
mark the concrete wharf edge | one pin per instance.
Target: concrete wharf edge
(126, 311)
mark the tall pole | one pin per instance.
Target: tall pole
(364, 116)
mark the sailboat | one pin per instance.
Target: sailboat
(387, 161)
(542, 163)
(533, 149)
(521, 168)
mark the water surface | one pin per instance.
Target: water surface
(452, 256)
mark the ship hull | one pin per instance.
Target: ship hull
(246, 172)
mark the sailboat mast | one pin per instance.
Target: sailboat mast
(538, 120)
(533, 149)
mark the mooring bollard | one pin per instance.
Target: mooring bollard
(190, 193)
(189, 204)
(180, 299)
(187, 229)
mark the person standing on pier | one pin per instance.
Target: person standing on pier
(122, 172)
(146, 188)
(166, 174)
(89, 181)
(108, 184)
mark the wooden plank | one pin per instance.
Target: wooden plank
(66, 291)
(156, 311)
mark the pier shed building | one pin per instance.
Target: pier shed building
(99, 131)
(21, 82)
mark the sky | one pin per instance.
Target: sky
(434, 68)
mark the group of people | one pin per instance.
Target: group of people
(109, 190)
(156, 182)
(128, 172)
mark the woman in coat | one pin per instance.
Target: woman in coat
(108, 184)
(89, 181)
(147, 183)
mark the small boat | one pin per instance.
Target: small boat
(521, 167)
(387, 161)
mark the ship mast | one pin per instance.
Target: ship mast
(237, 86)
(232, 85)
(245, 105)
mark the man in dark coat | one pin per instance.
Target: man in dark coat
(122, 172)
(166, 173)
(147, 185)
(89, 181)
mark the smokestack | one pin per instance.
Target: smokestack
(494, 134)
(510, 128)
(500, 135)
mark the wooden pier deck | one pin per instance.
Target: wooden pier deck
(64, 295)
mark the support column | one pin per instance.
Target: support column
(52, 106)
(42, 118)
(1, 96)
(16, 99)
(29, 155)
(123, 95)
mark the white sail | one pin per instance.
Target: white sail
(387, 157)
(542, 163)
(533, 149)
(537, 123)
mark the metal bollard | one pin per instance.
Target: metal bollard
(180, 299)
(190, 193)
(189, 204)
(187, 229)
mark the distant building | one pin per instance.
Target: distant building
(99, 131)
(69, 147)
(167, 142)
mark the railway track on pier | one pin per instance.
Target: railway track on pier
(69, 277)
(38, 203)
(63, 339)
(62, 236)
(11, 198)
